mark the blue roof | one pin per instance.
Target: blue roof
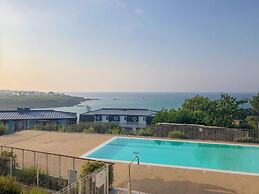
(27, 114)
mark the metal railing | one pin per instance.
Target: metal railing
(50, 170)
(96, 182)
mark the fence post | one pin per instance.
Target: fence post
(34, 159)
(47, 171)
(80, 187)
(37, 178)
(73, 163)
(11, 163)
(22, 159)
(59, 166)
(11, 166)
(107, 185)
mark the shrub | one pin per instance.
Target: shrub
(8, 185)
(48, 127)
(145, 132)
(3, 129)
(89, 130)
(177, 134)
(36, 190)
(27, 176)
(90, 167)
(118, 131)
(5, 162)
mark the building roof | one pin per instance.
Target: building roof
(27, 114)
(122, 111)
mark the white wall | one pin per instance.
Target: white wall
(104, 120)
(122, 120)
(141, 120)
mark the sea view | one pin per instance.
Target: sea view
(150, 100)
(129, 97)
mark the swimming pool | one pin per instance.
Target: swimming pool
(242, 159)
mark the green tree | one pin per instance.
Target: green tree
(253, 121)
(5, 162)
(3, 129)
(202, 110)
(255, 103)
(197, 103)
(163, 116)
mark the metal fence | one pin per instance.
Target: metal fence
(49, 170)
(95, 183)
(193, 131)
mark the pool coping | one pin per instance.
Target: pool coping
(164, 165)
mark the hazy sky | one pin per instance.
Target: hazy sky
(133, 45)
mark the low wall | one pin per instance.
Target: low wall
(192, 131)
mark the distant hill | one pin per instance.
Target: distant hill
(37, 100)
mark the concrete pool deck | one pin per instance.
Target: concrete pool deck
(149, 179)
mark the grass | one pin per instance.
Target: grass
(33, 190)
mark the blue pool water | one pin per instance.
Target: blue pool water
(234, 158)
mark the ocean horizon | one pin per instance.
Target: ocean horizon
(150, 100)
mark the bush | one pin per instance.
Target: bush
(118, 131)
(8, 185)
(5, 162)
(177, 134)
(27, 176)
(89, 130)
(36, 190)
(145, 132)
(3, 129)
(48, 127)
(87, 127)
(90, 167)
(247, 140)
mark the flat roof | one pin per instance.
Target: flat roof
(122, 111)
(27, 114)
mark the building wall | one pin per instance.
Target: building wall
(19, 125)
(130, 121)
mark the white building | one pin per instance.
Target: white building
(127, 118)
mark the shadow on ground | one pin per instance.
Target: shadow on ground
(158, 186)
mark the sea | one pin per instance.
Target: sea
(150, 100)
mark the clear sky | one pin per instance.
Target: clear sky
(133, 45)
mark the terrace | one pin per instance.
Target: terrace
(148, 179)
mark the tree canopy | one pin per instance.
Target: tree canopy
(255, 103)
(202, 110)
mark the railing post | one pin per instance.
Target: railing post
(73, 163)
(22, 159)
(11, 163)
(37, 178)
(11, 166)
(47, 171)
(47, 166)
(80, 187)
(34, 159)
(59, 167)
(107, 184)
